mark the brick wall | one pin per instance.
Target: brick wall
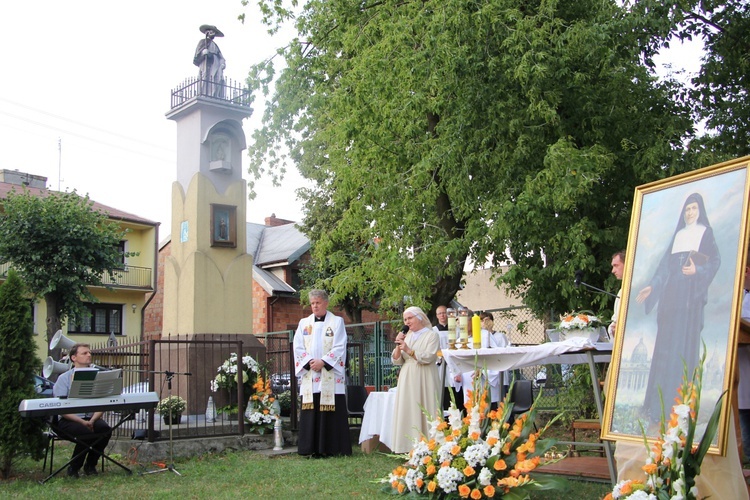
(153, 315)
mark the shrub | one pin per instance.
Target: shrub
(18, 435)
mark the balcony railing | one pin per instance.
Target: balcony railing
(226, 90)
(127, 277)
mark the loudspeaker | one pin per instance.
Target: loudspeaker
(52, 367)
(61, 341)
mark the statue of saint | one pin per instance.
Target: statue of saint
(210, 62)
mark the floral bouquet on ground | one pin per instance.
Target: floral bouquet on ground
(262, 410)
(228, 378)
(478, 456)
(674, 461)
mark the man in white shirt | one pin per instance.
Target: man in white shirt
(449, 382)
(618, 265)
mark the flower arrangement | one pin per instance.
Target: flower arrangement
(172, 405)
(478, 456)
(262, 410)
(227, 376)
(674, 461)
(579, 321)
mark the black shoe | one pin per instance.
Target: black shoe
(90, 471)
(73, 473)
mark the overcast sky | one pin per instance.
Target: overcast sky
(97, 76)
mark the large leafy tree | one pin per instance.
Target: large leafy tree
(18, 436)
(490, 131)
(720, 91)
(61, 246)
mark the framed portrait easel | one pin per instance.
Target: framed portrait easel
(681, 291)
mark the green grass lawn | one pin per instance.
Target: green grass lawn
(234, 475)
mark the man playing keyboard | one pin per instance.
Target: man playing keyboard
(88, 427)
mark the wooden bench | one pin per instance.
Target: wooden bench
(586, 424)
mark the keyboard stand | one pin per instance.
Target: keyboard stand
(125, 416)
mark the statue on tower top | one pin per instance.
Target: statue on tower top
(210, 62)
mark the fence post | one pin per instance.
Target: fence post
(151, 383)
(379, 342)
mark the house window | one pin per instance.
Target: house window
(121, 249)
(98, 319)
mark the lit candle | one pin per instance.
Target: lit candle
(476, 331)
(451, 328)
(463, 326)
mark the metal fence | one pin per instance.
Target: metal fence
(181, 367)
(193, 364)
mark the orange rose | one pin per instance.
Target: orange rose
(476, 494)
(431, 470)
(419, 483)
(500, 464)
(464, 491)
(401, 487)
(489, 491)
(432, 486)
(469, 471)
(455, 450)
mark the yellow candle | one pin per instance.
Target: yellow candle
(476, 331)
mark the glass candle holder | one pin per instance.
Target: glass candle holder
(451, 328)
(463, 327)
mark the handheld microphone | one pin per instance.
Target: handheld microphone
(404, 329)
(578, 278)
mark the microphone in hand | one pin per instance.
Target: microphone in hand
(404, 329)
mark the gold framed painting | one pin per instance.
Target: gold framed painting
(680, 291)
(223, 225)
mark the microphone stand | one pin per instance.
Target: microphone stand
(595, 288)
(170, 467)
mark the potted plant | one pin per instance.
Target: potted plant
(171, 409)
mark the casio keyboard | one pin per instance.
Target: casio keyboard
(43, 407)
(124, 404)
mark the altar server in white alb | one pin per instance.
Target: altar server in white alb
(319, 361)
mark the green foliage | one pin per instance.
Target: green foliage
(18, 436)
(575, 397)
(718, 93)
(60, 246)
(495, 131)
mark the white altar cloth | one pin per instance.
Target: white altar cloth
(570, 352)
(378, 419)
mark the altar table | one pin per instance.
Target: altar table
(569, 352)
(378, 420)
